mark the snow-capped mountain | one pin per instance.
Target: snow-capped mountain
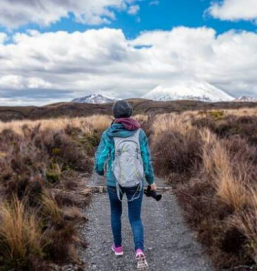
(188, 90)
(94, 99)
(245, 99)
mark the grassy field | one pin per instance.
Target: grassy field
(208, 156)
(141, 106)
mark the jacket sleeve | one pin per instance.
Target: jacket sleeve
(101, 155)
(146, 156)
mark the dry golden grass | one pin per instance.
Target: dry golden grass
(216, 162)
(241, 112)
(51, 208)
(19, 231)
(209, 148)
(141, 118)
(72, 213)
(207, 136)
(220, 160)
(87, 124)
(232, 191)
(246, 223)
(98, 122)
(225, 112)
(171, 122)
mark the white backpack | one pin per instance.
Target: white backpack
(128, 165)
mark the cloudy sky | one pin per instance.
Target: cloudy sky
(57, 50)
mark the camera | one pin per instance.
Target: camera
(152, 193)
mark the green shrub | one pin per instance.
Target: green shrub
(217, 115)
(56, 151)
(53, 176)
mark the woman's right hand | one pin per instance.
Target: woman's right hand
(153, 186)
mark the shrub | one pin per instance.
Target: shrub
(63, 150)
(217, 115)
(241, 126)
(38, 225)
(212, 169)
(177, 153)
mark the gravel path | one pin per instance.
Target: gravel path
(169, 244)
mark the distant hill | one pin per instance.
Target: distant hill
(141, 106)
(192, 89)
(246, 99)
(94, 99)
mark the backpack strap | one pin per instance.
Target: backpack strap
(135, 136)
(134, 197)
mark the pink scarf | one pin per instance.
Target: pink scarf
(129, 123)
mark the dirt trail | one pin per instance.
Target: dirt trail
(169, 244)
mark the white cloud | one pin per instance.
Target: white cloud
(19, 82)
(234, 10)
(94, 12)
(46, 67)
(134, 9)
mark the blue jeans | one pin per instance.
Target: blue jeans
(134, 214)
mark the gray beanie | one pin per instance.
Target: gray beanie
(122, 109)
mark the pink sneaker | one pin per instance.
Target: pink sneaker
(117, 250)
(141, 261)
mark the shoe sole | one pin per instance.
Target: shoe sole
(142, 263)
(118, 254)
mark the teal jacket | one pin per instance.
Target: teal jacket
(106, 152)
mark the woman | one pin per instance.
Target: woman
(126, 132)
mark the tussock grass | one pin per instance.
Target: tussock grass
(73, 213)
(20, 232)
(216, 160)
(50, 208)
(231, 191)
(246, 223)
(171, 122)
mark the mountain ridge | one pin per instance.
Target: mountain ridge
(245, 99)
(188, 90)
(94, 99)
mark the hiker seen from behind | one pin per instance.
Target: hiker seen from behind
(124, 148)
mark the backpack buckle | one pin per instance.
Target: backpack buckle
(118, 153)
(137, 152)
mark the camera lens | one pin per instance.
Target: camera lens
(158, 197)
